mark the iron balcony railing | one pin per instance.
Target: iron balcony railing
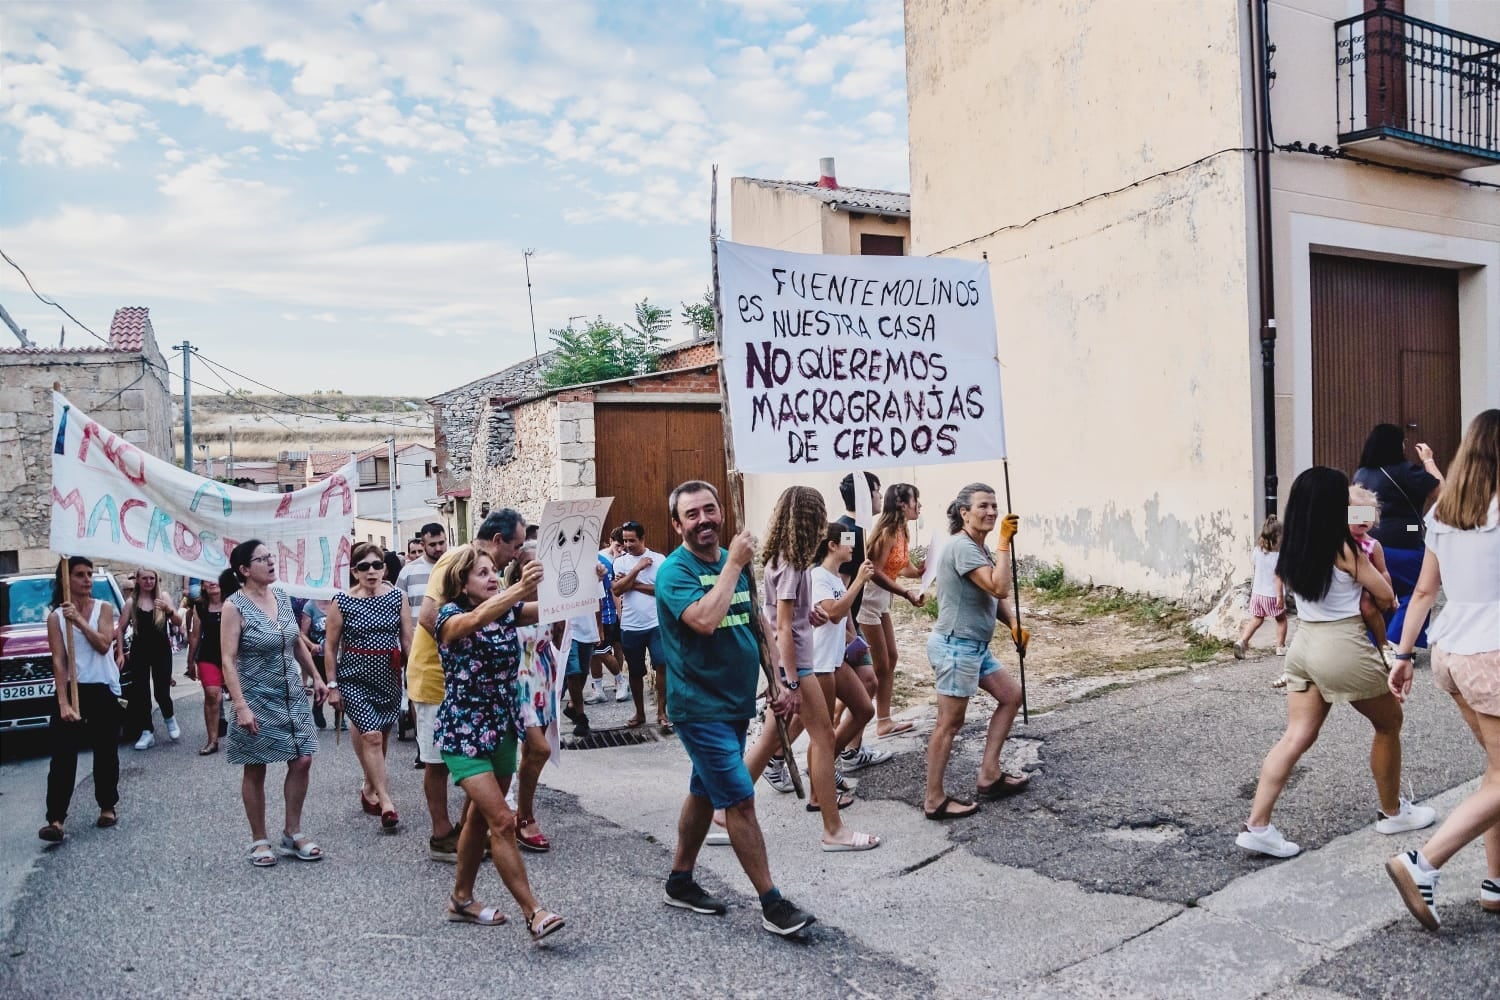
(1405, 78)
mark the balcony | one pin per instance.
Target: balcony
(1415, 93)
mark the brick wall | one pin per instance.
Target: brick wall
(116, 388)
(700, 353)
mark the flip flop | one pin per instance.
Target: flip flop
(1008, 784)
(897, 729)
(846, 799)
(942, 812)
(860, 842)
(107, 818)
(634, 723)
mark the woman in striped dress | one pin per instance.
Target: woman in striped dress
(263, 653)
(364, 648)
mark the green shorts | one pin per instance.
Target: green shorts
(501, 763)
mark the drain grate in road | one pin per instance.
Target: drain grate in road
(603, 739)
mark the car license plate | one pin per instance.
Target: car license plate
(25, 692)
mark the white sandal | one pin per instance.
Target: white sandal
(858, 842)
(305, 851)
(258, 859)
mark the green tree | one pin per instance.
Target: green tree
(599, 351)
(700, 315)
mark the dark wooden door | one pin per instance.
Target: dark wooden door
(643, 451)
(1384, 350)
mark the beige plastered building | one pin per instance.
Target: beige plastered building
(1098, 158)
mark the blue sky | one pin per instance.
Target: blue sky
(337, 194)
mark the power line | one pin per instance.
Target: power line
(27, 278)
(340, 418)
(1095, 197)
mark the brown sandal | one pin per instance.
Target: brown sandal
(107, 818)
(211, 748)
(1009, 783)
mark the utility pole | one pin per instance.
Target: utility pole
(187, 405)
(26, 342)
(395, 524)
(526, 257)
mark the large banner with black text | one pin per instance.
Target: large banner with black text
(834, 362)
(110, 500)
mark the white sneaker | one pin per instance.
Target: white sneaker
(858, 760)
(776, 775)
(173, 729)
(593, 694)
(1239, 649)
(1409, 818)
(1269, 841)
(1489, 895)
(146, 742)
(622, 690)
(1280, 650)
(1418, 888)
(717, 836)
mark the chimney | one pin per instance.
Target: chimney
(826, 178)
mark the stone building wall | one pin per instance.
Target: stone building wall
(119, 389)
(457, 419)
(514, 462)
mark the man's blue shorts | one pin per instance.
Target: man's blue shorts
(579, 657)
(717, 750)
(637, 644)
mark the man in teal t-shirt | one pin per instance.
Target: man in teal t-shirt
(713, 666)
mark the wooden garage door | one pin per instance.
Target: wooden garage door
(1384, 350)
(643, 451)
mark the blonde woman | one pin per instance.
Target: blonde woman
(798, 523)
(888, 547)
(149, 614)
(1462, 557)
(479, 726)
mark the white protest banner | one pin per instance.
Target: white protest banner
(110, 500)
(568, 546)
(838, 361)
(930, 557)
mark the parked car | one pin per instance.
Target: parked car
(27, 691)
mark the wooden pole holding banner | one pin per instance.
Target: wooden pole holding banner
(64, 590)
(1015, 591)
(737, 488)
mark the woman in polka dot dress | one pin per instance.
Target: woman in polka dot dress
(368, 636)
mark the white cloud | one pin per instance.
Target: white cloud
(399, 164)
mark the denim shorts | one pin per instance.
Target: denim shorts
(960, 664)
(717, 750)
(637, 644)
(579, 657)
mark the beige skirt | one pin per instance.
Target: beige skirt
(1475, 676)
(1338, 658)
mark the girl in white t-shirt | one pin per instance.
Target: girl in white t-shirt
(831, 640)
(1266, 593)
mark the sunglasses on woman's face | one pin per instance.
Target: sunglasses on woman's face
(365, 567)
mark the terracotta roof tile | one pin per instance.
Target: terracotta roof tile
(326, 463)
(130, 328)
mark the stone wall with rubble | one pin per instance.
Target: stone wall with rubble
(528, 453)
(118, 389)
(457, 416)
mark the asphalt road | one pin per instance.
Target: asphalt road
(1134, 803)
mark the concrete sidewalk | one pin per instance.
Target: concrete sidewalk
(1116, 874)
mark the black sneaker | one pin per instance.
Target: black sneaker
(690, 896)
(783, 918)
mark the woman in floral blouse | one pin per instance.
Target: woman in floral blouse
(479, 723)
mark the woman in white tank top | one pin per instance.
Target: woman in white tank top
(1463, 557)
(95, 721)
(1331, 659)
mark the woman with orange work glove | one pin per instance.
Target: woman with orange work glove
(972, 587)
